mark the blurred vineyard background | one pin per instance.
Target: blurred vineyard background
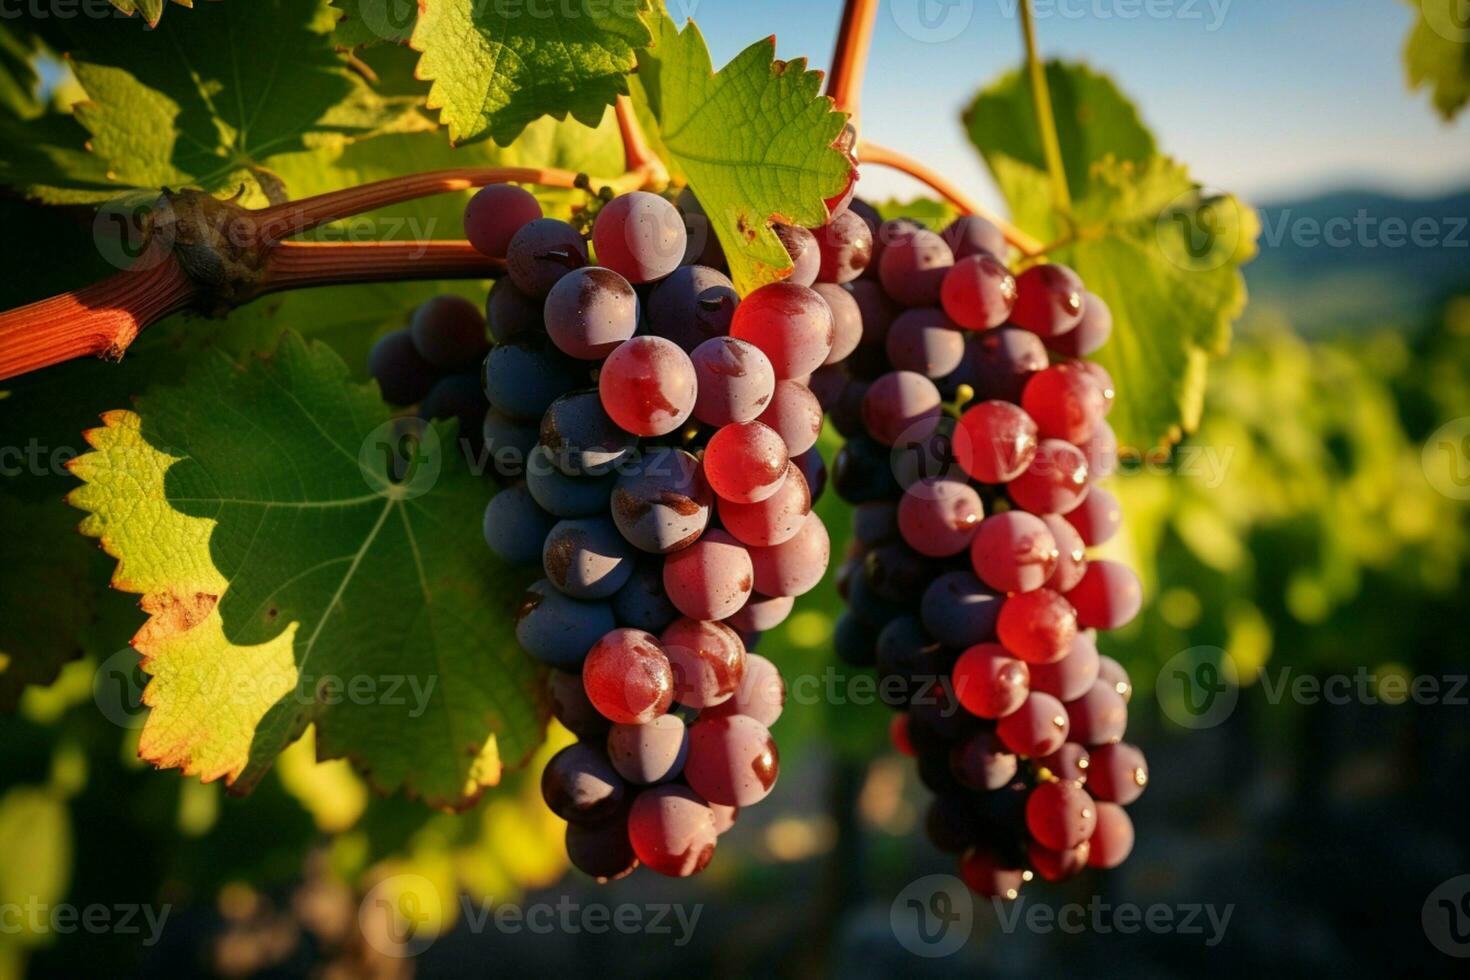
(1298, 530)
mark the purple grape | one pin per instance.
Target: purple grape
(663, 503)
(586, 558)
(580, 785)
(495, 214)
(694, 304)
(400, 370)
(541, 253)
(579, 438)
(590, 311)
(449, 332)
(649, 753)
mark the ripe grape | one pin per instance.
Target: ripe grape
(1048, 300)
(672, 830)
(569, 705)
(508, 443)
(925, 341)
(1091, 332)
(761, 613)
(1060, 815)
(710, 579)
(846, 244)
(694, 304)
(449, 333)
(602, 850)
(1068, 763)
(901, 406)
(939, 518)
(649, 753)
(1001, 441)
(1065, 402)
(642, 603)
(1101, 452)
(1071, 552)
(761, 693)
(400, 370)
(745, 463)
(959, 610)
(792, 324)
(981, 762)
(586, 558)
(854, 641)
(562, 495)
(1102, 379)
(461, 397)
(558, 630)
(1116, 677)
(541, 253)
(1108, 597)
(912, 268)
(590, 311)
(795, 414)
(1037, 728)
(580, 785)
(1037, 626)
(1099, 717)
(806, 257)
(876, 309)
(1112, 839)
(986, 873)
(796, 565)
(523, 378)
(662, 504)
(1058, 865)
(628, 677)
(978, 292)
(640, 236)
(813, 470)
(515, 525)
(702, 245)
(1117, 773)
(1055, 482)
(648, 386)
(989, 682)
(847, 325)
(580, 439)
(1014, 552)
(735, 381)
(732, 760)
(708, 660)
(1002, 361)
(1096, 519)
(510, 313)
(495, 214)
(771, 521)
(1070, 677)
(971, 234)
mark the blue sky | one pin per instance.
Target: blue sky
(1267, 98)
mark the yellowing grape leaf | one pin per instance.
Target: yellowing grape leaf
(1162, 251)
(1437, 54)
(498, 67)
(184, 105)
(754, 141)
(290, 583)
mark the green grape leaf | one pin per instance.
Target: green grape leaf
(928, 211)
(151, 10)
(754, 141)
(19, 82)
(496, 69)
(1162, 251)
(179, 106)
(251, 509)
(1094, 121)
(367, 22)
(1437, 54)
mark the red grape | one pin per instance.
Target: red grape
(791, 324)
(1037, 728)
(1048, 300)
(710, 579)
(1109, 596)
(989, 682)
(978, 292)
(1014, 552)
(628, 677)
(1038, 626)
(1055, 482)
(648, 386)
(745, 462)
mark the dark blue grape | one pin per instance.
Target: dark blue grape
(522, 379)
(586, 558)
(516, 526)
(400, 370)
(642, 602)
(557, 630)
(566, 496)
(959, 610)
(581, 440)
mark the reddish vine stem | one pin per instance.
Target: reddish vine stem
(294, 217)
(850, 57)
(296, 265)
(885, 157)
(638, 158)
(100, 320)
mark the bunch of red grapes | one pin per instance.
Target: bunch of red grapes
(656, 437)
(976, 434)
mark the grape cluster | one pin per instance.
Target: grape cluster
(976, 433)
(655, 436)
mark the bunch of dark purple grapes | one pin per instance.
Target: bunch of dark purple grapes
(655, 436)
(976, 433)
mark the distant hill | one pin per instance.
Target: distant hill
(1354, 259)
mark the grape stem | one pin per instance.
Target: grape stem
(884, 157)
(850, 57)
(638, 159)
(1046, 122)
